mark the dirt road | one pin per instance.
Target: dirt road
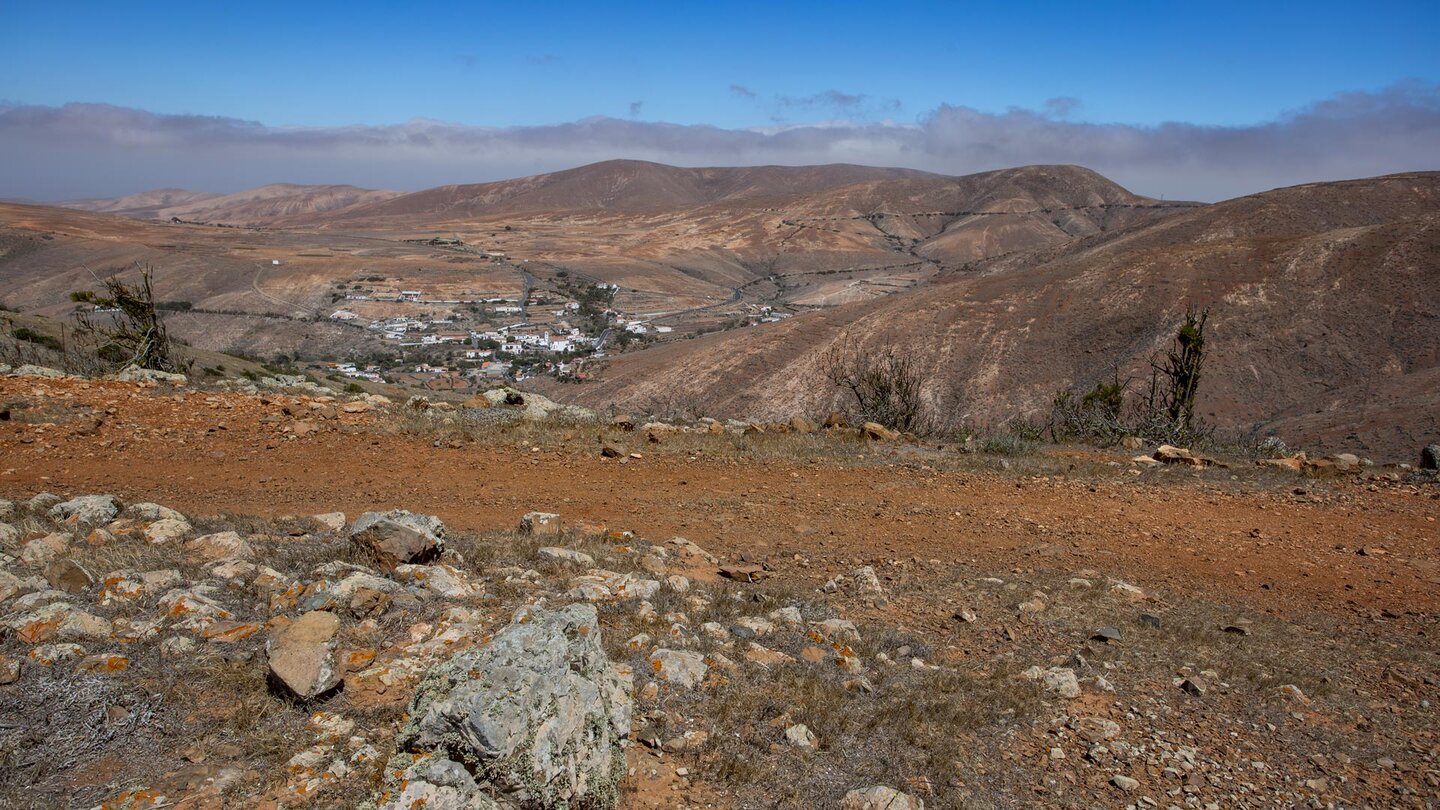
(1362, 550)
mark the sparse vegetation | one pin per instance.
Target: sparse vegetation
(38, 338)
(135, 334)
(886, 384)
(1107, 412)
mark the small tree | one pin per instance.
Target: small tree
(135, 334)
(1175, 382)
(886, 383)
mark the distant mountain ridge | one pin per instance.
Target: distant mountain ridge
(257, 206)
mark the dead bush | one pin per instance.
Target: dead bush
(886, 383)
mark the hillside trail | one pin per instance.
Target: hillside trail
(1339, 550)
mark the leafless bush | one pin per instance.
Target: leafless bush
(886, 383)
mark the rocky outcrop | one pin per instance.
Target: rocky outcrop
(537, 716)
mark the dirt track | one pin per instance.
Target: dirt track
(1266, 548)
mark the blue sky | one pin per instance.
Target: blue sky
(501, 64)
(1225, 72)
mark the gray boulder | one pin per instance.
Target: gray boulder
(398, 537)
(1430, 457)
(91, 510)
(41, 503)
(539, 714)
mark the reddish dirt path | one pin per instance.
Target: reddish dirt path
(1268, 550)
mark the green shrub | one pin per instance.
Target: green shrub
(38, 338)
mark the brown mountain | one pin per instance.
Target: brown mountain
(629, 186)
(145, 205)
(253, 207)
(1325, 323)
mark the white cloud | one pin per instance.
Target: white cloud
(97, 149)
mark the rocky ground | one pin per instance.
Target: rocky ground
(193, 621)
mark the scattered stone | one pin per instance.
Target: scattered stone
(1167, 454)
(302, 655)
(1061, 681)
(743, 572)
(880, 797)
(69, 576)
(1125, 783)
(541, 524)
(1106, 634)
(1192, 687)
(1095, 729)
(766, 657)
(44, 550)
(1151, 620)
(165, 530)
(90, 510)
(800, 736)
(679, 667)
(42, 502)
(398, 537)
(567, 555)
(217, 547)
(9, 670)
(334, 521)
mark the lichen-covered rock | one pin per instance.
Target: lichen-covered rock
(398, 537)
(679, 667)
(538, 715)
(91, 510)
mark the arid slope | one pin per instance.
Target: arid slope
(1324, 300)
